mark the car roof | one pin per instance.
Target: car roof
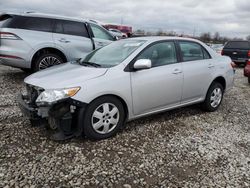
(52, 16)
(238, 41)
(159, 38)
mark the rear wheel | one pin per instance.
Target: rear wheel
(214, 97)
(103, 118)
(47, 60)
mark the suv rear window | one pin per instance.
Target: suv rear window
(71, 28)
(31, 23)
(4, 18)
(238, 44)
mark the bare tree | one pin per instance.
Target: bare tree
(205, 37)
(248, 37)
(216, 38)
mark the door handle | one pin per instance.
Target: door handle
(177, 71)
(211, 66)
(64, 40)
(101, 43)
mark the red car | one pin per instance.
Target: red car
(247, 71)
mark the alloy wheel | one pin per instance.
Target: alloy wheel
(48, 61)
(216, 97)
(105, 118)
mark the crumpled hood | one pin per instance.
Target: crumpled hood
(64, 76)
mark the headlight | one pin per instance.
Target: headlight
(51, 96)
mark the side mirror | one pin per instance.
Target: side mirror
(142, 64)
(116, 38)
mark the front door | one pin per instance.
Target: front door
(161, 86)
(101, 37)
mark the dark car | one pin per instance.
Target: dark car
(239, 51)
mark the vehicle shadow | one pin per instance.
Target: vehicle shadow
(171, 115)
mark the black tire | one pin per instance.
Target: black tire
(206, 105)
(88, 129)
(26, 70)
(249, 80)
(37, 63)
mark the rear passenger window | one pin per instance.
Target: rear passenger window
(191, 51)
(71, 28)
(31, 23)
(38, 24)
(206, 54)
(3, 19)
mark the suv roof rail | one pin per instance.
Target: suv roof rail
(29, 12)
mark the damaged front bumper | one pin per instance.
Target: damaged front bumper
(61, 117)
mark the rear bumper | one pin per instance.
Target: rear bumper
(239, 61)
(14, 62)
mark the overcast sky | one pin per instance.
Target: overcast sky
(229, 17)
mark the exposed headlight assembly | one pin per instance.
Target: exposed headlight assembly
(53, 95)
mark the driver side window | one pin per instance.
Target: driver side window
(160, 54)
(100, 33)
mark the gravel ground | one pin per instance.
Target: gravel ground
(181, 148)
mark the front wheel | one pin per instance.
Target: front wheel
(103, 118)
(214, 97)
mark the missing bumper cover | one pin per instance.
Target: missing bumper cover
(59, 117)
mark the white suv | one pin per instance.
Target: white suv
(33, 41)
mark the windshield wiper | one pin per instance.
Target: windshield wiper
(86, 63)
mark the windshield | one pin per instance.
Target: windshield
(113, 54)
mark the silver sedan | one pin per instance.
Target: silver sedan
(123, 81)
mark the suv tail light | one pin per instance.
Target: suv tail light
(248, 54)
(248, 62)
(222, 52)
(11, 36)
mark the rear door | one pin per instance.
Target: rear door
(101, 36)
(198, 67)
(237, 50)
(72, 38)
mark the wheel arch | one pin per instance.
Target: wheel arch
(124, 104)
(47, 50)
(219, 79)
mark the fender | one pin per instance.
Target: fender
(42, 46)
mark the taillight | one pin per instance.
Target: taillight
(233, 65)
(7, 35)
(248, 54)
(222, 52)
(248, 62)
